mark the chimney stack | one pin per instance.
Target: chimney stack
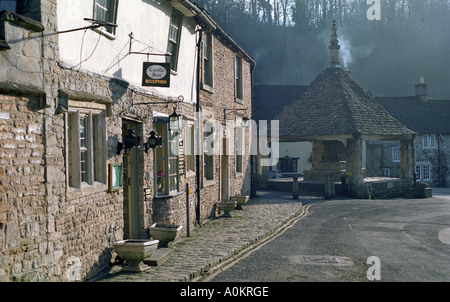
(421, 88)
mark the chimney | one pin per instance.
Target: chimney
(334, 46)
(421, 88)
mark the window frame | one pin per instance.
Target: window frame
(189, 148)
(424, 171)
(396, 154)
(208, 159)
(173, 59)
(94, 147)
(208, 62)
(287, 162)
(238, 86)
(170, 159)
(240, 148)
(112, 5)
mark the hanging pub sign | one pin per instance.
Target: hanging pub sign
(156, 74)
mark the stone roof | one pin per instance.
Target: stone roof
(335, 104)
(426, 116)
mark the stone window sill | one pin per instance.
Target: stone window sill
(21, 21)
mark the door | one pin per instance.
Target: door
(131, 185)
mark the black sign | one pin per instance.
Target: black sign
(156, 74)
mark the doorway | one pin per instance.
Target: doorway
(132, 212)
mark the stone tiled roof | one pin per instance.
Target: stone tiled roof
(335, 104)
(425, 116)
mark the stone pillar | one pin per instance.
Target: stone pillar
(354, 162)
(407, 159)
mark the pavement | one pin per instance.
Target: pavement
(219, 239)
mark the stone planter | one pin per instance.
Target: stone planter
(240, 200)
(165, 232)
(134, 251)
(226, 207)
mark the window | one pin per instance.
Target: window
(174, 39)
(396, 154)
(189, 147)
(167, 160)
(208, 151)
(86, 147)
(429, 141)
(239, 149)
(207, 60)
(424, 172)
(106, 11)
(238, 76)
(287, 165)
(386, 172)
(10, 5)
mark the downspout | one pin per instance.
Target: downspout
(197, 110)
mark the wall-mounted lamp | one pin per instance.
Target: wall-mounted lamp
(153, 141)
(130, 141)
(175, 121)
(245, 122)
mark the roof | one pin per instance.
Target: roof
(202, 17)
(269, 100)
(419, 114)
(335, 104)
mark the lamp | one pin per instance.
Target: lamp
(245, 122)
(175, 120)
(153, 141)
(130, 141)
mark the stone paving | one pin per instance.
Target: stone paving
(218, 239)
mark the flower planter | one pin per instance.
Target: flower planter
(165, 232)
(226, 207)
(134, 251)
(240, 200)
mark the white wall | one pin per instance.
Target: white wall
(149, 22)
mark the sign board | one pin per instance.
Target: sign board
(156, 74)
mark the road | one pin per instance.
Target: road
(400, 240)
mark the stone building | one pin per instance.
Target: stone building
(429, 118)
(77, 108)
(339, 116)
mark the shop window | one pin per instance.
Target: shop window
(167, 160)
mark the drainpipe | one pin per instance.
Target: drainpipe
(197, 110)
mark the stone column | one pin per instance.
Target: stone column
(407, 159)
(354, 162)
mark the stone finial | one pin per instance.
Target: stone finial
(334, 46)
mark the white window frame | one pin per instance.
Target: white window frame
(189, 148)
(424, 171)
(240, 150)
(106, 10)
(208, 150)
(429, 141)
(170, 160)
(208, 62)
(395, 154)
(386, 172)
(94, 147)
